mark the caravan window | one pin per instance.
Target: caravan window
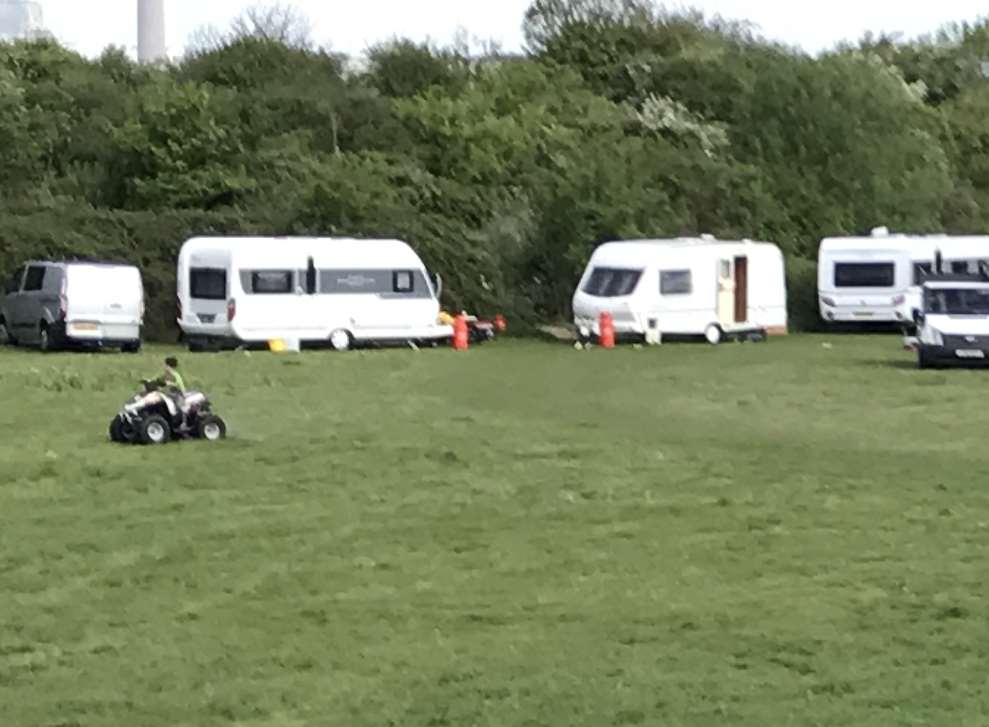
(403, 281)
(354, 282)
(208, 283)
(612, 282)
(864, 275)
(270, 282)
(675, 282)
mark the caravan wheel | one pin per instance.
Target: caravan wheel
(713, 334)
(341, 340)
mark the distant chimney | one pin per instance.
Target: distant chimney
(151, 31)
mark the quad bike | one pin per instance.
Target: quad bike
(154, 417)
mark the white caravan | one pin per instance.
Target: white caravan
(683, 286)
(878, 279)
(234, 291)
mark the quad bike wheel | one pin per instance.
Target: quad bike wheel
(117, 430)
(211, 428)
(155, 430)
(122, 431)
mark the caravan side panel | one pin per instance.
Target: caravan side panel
(767, 290)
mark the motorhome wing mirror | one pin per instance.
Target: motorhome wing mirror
(438, 285)
(918, 316)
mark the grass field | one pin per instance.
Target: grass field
(764, 535)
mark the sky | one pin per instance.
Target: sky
(351, 26)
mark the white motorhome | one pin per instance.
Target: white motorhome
(878, 279)
(234, 291)
(683, 286)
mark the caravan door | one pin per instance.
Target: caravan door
(741, 289)
(726, 292)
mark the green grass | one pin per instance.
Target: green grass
(780, 534)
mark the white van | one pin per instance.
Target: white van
(235, 291)
(878, 279)
(73, 304)
(683, 286)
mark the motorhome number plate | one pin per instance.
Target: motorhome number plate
(968, 353)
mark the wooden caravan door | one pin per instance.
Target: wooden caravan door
(726, 292)
(741, 289)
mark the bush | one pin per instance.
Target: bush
(801, 287)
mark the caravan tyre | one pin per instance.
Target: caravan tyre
(713, 334)
(341, 340)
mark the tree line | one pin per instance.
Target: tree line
(504, 170)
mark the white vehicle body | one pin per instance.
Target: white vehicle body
(878, 279)
(953, 321)
(342, 291)
(683, 286)
(55, 304)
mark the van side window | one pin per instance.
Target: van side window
(403, 281)
(675, 282)
(208, 283)
(270, 282)
(35, 278)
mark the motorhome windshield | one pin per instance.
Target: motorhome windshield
(957, 301)
(612, 282)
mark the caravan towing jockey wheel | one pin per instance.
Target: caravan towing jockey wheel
(341, 340)
(713, 334)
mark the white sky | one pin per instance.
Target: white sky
(350, 26)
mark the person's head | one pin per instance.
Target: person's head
(172, 362)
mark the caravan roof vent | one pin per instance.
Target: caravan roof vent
(880, 232)
(707, 237)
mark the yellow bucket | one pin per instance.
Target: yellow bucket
(276, 345)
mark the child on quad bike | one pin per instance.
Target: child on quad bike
(173, 382)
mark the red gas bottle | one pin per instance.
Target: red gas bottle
(461, 335)
(606, 325)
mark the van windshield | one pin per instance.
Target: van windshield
(612, 282)
(957, 302)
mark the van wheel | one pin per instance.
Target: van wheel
(5, 338)
(133, 347)
(341, 340)
(713, 334)
(45, 339)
